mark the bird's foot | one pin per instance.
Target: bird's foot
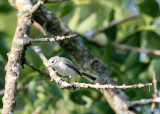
(68, 78)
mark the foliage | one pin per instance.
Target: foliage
(84, 16)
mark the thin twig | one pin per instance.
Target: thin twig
(38, 50)
(53, 39)
(39, 27)
(155, 95)
(37, 110)
(76, 85)
(130, 48)
(35, 7)
(143, 102)
(36, 69)
(113, 23)
(155, 85)
(129, 35)
(140, 50)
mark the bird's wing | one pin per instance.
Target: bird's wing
(71, 65)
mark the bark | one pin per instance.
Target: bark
(15, 59)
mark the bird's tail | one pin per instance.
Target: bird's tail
(89, 76)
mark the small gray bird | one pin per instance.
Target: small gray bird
(65, 67)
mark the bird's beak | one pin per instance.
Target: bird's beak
(48, 66)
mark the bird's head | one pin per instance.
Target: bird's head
(53, 61)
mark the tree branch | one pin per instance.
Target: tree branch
(35, 7)
(155, 95)
(131, 48)
(15, 60)
(143, 102)
(38, 50)
(53, 39)
(37, 110)
(36, 69)
(140, 50)
(39, 27)
(114, 23)
(76, 85)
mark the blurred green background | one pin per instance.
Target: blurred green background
(84, 17)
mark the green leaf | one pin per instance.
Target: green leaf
(154, 66)
(150, 7)
(131, 61)
(52, 88)
(3, 48)
(90, 22)
(108, 53)
(111, 32)
(2, 75)
(67, 8)
(76, 97)
(153, 40)
(5, 7)
(32, 91)
(100, 107)
(73, 23)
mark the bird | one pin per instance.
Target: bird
(66, 68)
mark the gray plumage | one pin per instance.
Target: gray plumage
(65, 67)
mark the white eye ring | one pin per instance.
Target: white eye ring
(52, 61)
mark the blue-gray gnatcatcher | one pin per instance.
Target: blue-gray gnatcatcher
(65, 67)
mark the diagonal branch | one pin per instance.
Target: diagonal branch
(136, 49)
(143, 102)
(35, 7)
(53, 75)
(39, 27)
(114, 23)
(36, 69)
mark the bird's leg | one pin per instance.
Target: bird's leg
(58, 74)
(68, 79)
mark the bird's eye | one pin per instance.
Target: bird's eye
(52, 61)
